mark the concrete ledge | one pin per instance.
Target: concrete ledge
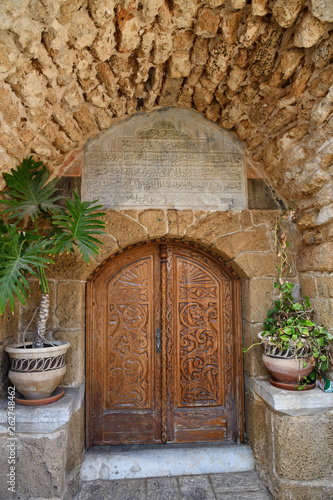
(166, 461)
(290, 402)
(46, 418)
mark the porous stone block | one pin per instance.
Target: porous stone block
(208, 23)
(243, 241)
(288, 431)
(75, 441)
(308, 285)
(323, 309)
(39, 465)
(85, 119)
(316, 258)
(308, 31)
(9, 323)
(325, 286)
(256, 299)
(178, 221)
(75, 356)
(311, 437)
(48, 448)
(71, 265)
(109, 247)
(322, 9)
(155, 222)
(208, 229)
(253, 364)
(82, 30)
(306, 490)
(70, 304)
(9, 52)
(262, 59)
(124, 229)
(286, 12)
(102, 11)
(259, 7)
(264, 217)
(325, 215)
(254, 264)
(258, 430)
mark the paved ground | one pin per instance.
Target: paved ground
(230, 486)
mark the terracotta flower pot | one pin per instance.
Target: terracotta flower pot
(36, 373)
(287, 369)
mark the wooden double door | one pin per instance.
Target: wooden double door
(163, 348)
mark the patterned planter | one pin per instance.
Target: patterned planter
(37, 372)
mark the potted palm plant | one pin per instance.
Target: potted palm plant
(295, 346)
(33, 229)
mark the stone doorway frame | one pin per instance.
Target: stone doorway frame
(236, 327)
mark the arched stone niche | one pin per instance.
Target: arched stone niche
(169, 158)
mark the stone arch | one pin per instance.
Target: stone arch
(261, 70)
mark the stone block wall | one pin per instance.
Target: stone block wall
(47, 447)
(293, 448)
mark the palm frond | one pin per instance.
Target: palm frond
(28, 192)
(18, 258)
(76, 227)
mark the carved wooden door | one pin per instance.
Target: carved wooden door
(163, 348)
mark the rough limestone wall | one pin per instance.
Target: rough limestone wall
(69, 69)
(286, 448)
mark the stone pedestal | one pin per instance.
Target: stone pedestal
(42, 448)
(291, 436)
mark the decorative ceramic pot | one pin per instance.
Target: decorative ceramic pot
(36, 373)
(288, 366)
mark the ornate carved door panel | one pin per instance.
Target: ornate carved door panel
(163, 344)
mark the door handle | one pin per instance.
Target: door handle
(158, 340)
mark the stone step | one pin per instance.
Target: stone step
(109, 463)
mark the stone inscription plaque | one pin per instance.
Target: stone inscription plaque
(169, 158)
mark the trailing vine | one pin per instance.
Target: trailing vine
(289, 323)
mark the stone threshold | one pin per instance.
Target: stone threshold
(290, 402)
(165, 460)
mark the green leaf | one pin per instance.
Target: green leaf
(17, 259)
(322, 357)
(307, 322)
(28, 191)
(321, 342)
(285, 338)
(299, 345)
(306, 301)
(75, 229)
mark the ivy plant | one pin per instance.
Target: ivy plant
(34, 228)
(289, 325)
